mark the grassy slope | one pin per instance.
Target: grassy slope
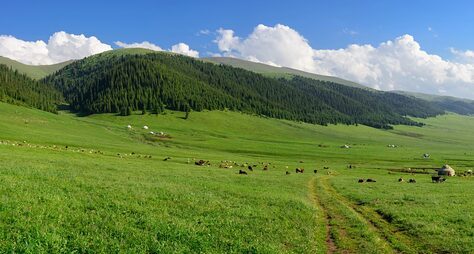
(56, 199)
(33, 71)
(278, 72)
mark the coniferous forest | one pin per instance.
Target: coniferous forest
(111, 83)
(16, 88)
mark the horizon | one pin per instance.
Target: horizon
(425, 52)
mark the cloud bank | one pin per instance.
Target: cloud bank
(60, 47)
(180, 48)
(398, 64)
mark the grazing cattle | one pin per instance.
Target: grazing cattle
(412, 181)
(400, 180)
(325, 167)
(242, 172)
(315, 171)
(265, 168)
(202, 163)
(250, 168)
(371, 180)
(301, 161)
(287, 172)
(299, 170)
(361, 180)
(167, 158)
(437, 179)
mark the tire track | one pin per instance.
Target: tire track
(389, 238)
(330, 245)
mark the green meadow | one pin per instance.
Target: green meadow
(92, 185)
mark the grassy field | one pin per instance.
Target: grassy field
(90, 185)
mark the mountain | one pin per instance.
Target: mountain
(121, 81)
(448, 103)
(278, 72)
(17, 88)
(33, 71)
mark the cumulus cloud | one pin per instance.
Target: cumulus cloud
(398, 64)
(180, 48)
(183, 49)
(60, 47)
(145, 45)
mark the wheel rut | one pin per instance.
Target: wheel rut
(342, 216)
(330, 245)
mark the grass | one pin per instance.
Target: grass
(103, 193)
(33, 71)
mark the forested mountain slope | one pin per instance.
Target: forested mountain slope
(16, 88)
(118, 82)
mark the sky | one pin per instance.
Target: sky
(420, 46)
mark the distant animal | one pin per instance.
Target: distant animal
(437, 179)
(301, 161)
(412, 181)
(361, 180)
(265, 168)
(250, 168)
(400, 180)
(287, 172)
(370, 180)
(299, 170)
(202, 163)
(325, 167)
(315, 171)
(242, 172)
(167, 158)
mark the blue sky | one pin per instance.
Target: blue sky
(326, 24)
(420, 46)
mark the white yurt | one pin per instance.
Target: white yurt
(446, 170)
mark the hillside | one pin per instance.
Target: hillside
(16, 88)
(278, 72)
(115, 82)
(33, 71)
(448, 103)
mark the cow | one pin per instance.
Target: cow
(250, 168)
(371, 180)
(287, 172)
(299, 170)
(437, 179)
(412, 181)
(400, 180)
(315, 171)
(361, 180)
(242, 172)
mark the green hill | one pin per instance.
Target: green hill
(448, 103)
(33, 71)
(121, 81)
(17, 88)
(278, 72)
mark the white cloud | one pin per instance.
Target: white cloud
(398, 64)
(145, 45)
(61, 47)
(180, 48)
(204, 32)
(183, 49)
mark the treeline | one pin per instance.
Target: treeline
(16, 88)
(111, 83)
